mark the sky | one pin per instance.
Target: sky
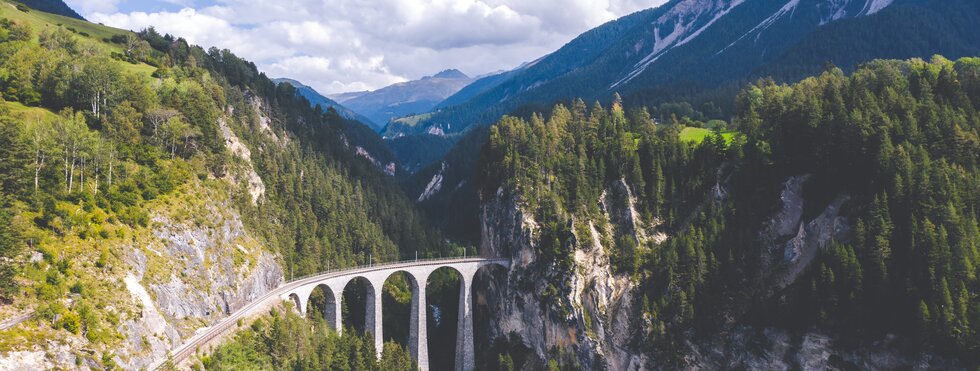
(340, 46)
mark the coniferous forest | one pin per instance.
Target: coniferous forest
(105, 131)
(149, 188)
(898, 139)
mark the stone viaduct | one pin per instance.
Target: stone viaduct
(333, 284)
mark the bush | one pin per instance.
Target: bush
(77, 288)
(70, 321)
(23, 8)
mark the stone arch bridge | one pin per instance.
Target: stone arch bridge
(332, 283)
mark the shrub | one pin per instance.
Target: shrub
(23, 8)
(70, 321)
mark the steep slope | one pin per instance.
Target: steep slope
(357, 131)
(698, 45)
(407, 98)
(837, 230)
(317, 99)
(130, 221)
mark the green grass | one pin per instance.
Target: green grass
(40, 21)
(698, 135)
(412, 120)
(24, 112)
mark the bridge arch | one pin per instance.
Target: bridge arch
(358, 304)
(399, 298)
(297, 303)
(444, 294)
(324, 301)
(358, 297)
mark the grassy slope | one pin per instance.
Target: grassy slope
(698, 135)
(41, 21)
(26, 113)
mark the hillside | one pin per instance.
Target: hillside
(707, 185)
(150, 187)
(317, 99)
(702, 50)
(54, 7)
(837, 230)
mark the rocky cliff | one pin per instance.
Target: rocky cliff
(594, 318)
(193, 263)
(597, 321)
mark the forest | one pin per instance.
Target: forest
(101, 129)
(898, 138)
(104, 134)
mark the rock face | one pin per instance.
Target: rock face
(595, 319)
(246, 170)
(150, 332)
(748, 348)
(194, 263)
(794, 242)
(192, 274)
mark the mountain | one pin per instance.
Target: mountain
(145, 195)
(820, 236)
(696, 46)
(54, 7)
(477, 87)
(407, 98)
(317, 99)
(343, 97)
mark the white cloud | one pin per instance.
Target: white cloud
(344, 45)
(93, 6)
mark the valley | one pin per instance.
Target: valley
(700, 184)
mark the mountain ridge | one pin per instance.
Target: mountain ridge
(317, 99)
(405, 98)
(710, 43)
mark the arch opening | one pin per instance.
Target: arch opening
(358, 295)
(397, 294)
(322, 305)
(297, 303)
(442, 295)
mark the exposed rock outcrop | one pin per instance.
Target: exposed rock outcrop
(246, 170)
(794, 242)
(595, 319)
(749, 348)
(192, 274)
(434, 186)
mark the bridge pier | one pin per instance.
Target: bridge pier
(373, 319)
(465, 357)
(333, 311)
(418, 345)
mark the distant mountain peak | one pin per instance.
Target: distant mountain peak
(406, 98)
(451, 74)
(325, 103)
